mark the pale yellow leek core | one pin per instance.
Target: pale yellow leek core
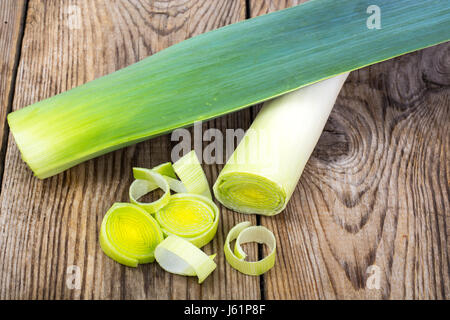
(129, 234)
(263, 171)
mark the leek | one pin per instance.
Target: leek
(190, 172)
(176, 255)
(263, 171)
(129, 235)
(191, 213)
(244, 233)
(164, 176)
(190, 216)
(219, 72)
(146, 181)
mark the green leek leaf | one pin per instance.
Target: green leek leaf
(219, 72)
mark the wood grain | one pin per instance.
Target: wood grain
(47, 226)
(375, 191)
(12, 13)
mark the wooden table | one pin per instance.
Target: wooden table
(373, 200)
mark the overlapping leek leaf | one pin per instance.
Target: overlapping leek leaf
(219, 72)
(244, 233)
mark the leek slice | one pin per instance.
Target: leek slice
(190, 216)
(146, 181)
(129, 235)
(243, 233)
(179, 256)
(166, 169)
(190, 172)
(261, 174)
(220, 72)
(163, 176)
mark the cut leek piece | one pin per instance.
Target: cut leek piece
(220, 72)
(129, 235)
(146, 181)
(179, 256)
(190, 172)
(166, 169)
(190, 216)
(263, 171)
(244, 233)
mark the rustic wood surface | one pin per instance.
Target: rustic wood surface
(374, 197)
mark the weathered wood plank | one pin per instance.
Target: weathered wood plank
(47, 226)
(376, 190)
(12, 14)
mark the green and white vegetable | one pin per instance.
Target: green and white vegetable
(190, 172)
(264, 170)
(129, 235)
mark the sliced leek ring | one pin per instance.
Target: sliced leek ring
(164, 176)
(243, 233)
(179, 256)
(263, 172)
(188, 219)
(190, 216)
(129, 234)
(148, 180)
(190, 172)
(166, 169)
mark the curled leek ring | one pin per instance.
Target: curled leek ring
(146, 181)
(243, 233)
(129, 235)
(179, 256)
(189, 216)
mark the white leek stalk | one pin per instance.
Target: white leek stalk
(264, 170)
